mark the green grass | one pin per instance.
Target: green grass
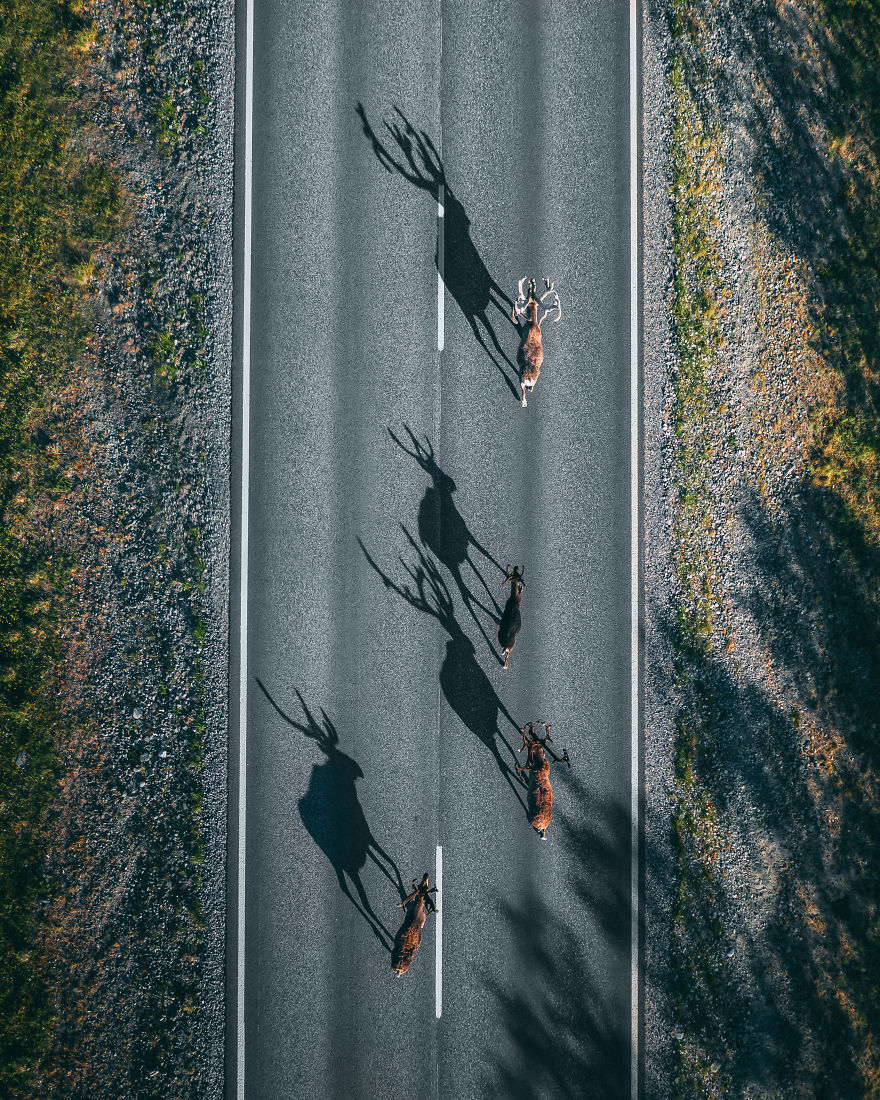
(56, 209)
(696, 293)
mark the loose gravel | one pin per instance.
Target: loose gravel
(137, 844)
(776, 776)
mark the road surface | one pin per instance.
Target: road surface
(392, 475)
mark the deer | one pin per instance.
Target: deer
(525, 317)
(418, 905)
(538, 767)
(511, 620)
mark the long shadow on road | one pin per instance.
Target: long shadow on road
(443, 530)
(464, 274)
(465, 686)
(334, 818)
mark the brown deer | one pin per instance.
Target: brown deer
(511, 619)
(418, 905)
(525, 316)
(538, 766)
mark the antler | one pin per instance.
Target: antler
(422, 888)
(521, 303)
(545, 741)
(551, 289)
(530, 726)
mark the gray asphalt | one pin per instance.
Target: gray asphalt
(380, 722)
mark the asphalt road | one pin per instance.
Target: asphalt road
(390, 483)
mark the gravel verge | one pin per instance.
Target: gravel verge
(136, 856)
(762, 605)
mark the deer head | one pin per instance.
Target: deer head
(538, 747)
(527, 303)
(421, 893)
(515, 579)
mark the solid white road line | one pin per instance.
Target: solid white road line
(634, 542)
(245, 478)
(438, 939)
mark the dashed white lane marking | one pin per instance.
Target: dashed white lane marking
(635, 804)
(438, 941)
(441, 317)
(245, 478)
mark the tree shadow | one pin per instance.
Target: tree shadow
(443, 530)
(803, 83)
(461, 268)
(464, 684)
(563, 1018)
(334, 818)
(771, 1013)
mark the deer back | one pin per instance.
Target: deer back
(409, 937)
(531, 351)
(511, 617)
(540, 795)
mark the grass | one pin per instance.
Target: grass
(697, 294)
(57, 209)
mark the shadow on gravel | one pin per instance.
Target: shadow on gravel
(462, 270)
(568, 1025)
(465, 686)
(445, 533)
(332, 815)
(805, 82)
(809, 945)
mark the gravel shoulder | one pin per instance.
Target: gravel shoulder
(136, 843)
(761, 556)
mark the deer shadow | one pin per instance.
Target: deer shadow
(334, 818)
(461, 268)
(443, 530)
(464, 684)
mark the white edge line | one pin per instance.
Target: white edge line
(634, 543)
(245, 478)
(438, 939)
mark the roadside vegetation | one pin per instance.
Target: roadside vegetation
(697, 293)
(775, 673)
(58, 208)
(110, 961)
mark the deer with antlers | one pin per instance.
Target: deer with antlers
(538, 767)
(511, 618)
(525, 316)
(418, 905)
